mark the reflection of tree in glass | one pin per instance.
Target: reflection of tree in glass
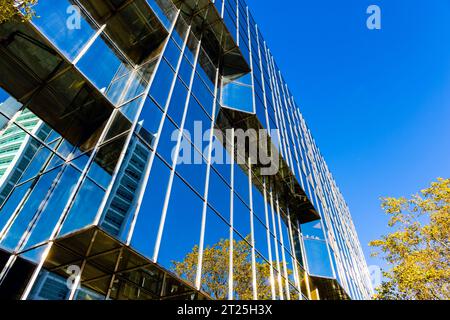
(215, 271)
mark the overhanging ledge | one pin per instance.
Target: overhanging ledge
(284, 180)
(217, 41)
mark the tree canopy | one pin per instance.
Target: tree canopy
(11, 8)
(418, 249)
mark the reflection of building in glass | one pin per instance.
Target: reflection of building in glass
(53, 287)
(91, 171)
(17, 148)
(123, 196)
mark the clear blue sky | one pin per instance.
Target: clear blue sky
(377, 102)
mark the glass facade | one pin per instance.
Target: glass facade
(126, 163)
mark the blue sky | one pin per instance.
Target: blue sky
(377, 102)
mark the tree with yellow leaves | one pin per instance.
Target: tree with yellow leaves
(418, 249)
(11, 8)
(215, 271)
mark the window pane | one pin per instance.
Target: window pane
(54, 21)
(179, 245)
(124, 196)
(85, 207)
(100, 71)
(54, 208)
(29, 210)
(216, 261)
(149, 216)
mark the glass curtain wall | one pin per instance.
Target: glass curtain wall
(154, 175)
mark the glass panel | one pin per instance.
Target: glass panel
(263, 279)
(105, 162)
(13, 286)
(54, 208)
(196, 124)
(260, 232)
(178, 102)
(29, 210)
(189, 167)
(85, 207)
(241, 217)
(150, 120)
(162, 83)
(258, 202)
(204, 96)
(39, 160)
(50, 286)
(62, 28)
(123, 199)
(242, 268)
(12, 202)
(172, 53)
(318, 260)
(219, 194)
(168, 141)
(100, 71)
(149, 216)
(238, 96)
(216, 260)
(241, 183)
(179, 245)
(185, 71)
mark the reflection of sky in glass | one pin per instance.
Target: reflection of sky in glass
(28, 211)
(99, 64)
(56, 205)
(84, 208)
(3, 95)
(318, 258)
(313, 230)
(183, 222)
(52, 20)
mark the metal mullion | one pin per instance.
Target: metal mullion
(268, 235)
(263, 85)
(231, 252)
(274, 228)
(295, 261)
(283, 255)
(252, 231)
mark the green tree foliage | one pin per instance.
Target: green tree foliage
(215, 271)
(10, 8)
(418, 249)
